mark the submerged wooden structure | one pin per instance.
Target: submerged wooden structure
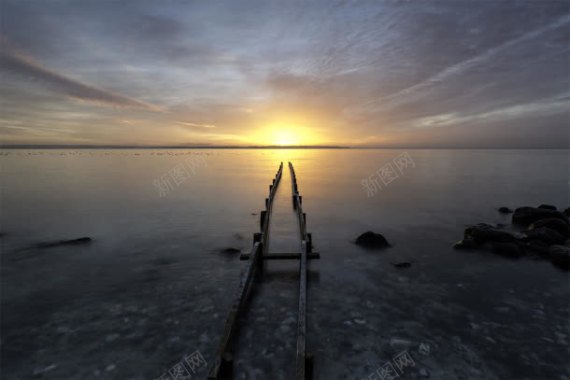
(222, 368)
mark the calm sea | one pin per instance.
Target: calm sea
(153, 286)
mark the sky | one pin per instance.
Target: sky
(422, 73)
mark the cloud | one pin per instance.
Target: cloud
(394, 99)
(224, 71)
(195, 125)
(555, 105)
(12, 61)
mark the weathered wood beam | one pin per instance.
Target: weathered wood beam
(283, 256)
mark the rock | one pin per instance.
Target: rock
(484, 233)
(507, 249)
(538, 247)
(548, 207)
(467, 243)
(230, 250)
(505, 210)
(552, 223)
(560, 256)
(402, 264)
(371, 240)
(82, 240)
(546, 235)
(528, 215)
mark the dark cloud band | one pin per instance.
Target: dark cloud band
(13, 62)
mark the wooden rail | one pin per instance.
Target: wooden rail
(304, 361)
(223, 363)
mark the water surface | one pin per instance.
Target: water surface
(154, 287)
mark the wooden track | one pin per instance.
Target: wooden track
(222, 368)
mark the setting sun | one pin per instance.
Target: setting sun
(286, 132)
(285, 137)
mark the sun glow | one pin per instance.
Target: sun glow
(286, 133)
(285, 137)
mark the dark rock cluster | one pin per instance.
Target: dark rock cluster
(538, 232)
(371, 240)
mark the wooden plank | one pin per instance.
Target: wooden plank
(283, 256)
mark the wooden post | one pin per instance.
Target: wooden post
(262, 217)
(227, 366)
(309, 366)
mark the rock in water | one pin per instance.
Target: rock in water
(371, 240)
(230, 250)
(505, 210)
(528, 215)
(548, 207)
(402, 264)
(484, 233)
(560, 256)
(82, 240)
(553, 224)
(546, 235)
(467, 243)
(537, 247)
(507, 249)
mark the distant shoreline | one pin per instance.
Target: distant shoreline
(172, 147)
(253, 147)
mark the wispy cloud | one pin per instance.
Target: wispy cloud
(544, 107)
(406, 94)
(13, 61)
(195, 125)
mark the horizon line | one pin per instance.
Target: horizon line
(91, 146)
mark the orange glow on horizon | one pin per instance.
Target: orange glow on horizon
(286, 132)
